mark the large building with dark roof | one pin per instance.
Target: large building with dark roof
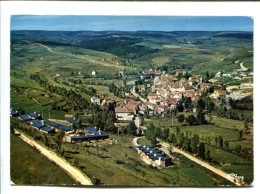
(92, 134)
(156, 156)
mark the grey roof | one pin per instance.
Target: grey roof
(152, 152)
(25, 117)
(47, 129)
(37, 123)
(57, 125)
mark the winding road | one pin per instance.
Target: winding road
(71, 170)
(85, 57)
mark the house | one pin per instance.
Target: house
(132, 106)
(153, 98)
(219, 93)
(179, 73)
(171, 102)
(95, 100)
(106, 101)
(195, 79)
(161, 109)
(141, 88)
(93, 73)
(123, 114)
(152, 72)
(205, 86)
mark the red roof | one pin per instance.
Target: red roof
(120, 109)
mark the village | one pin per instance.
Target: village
(158, 95)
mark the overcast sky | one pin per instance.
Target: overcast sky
(131, 23)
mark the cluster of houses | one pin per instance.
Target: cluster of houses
(167, 90)
(154, 156)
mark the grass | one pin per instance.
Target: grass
(232, 163)
(143, 141)
(101, 163)
(104, 91)
(28, 167)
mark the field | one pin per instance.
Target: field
(28, 167)
(118, 165)
(227, 128)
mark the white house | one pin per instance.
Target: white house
(95, 100)
(123, 114)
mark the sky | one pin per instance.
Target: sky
(131, 23)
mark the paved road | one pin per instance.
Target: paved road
(72, 171)
(202, 163)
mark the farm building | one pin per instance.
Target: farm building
(37, 124)
(93, 135)
(72, 121)
(76, 139)
(64, 128)
(24, 117)
(157, 157)
(34, 115)
(47, 129)
(14, 113)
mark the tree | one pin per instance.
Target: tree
(178, 130)
(220, 141)
(201, 118)
(141, 121)
(246, 125)
(201, 150)
(238, 149)
(180, 139)
(165, 134)
(194, 143)
(58, 139)
(187, 144)
(179, 107)
(131, 128)
(207, 155)
(153, 140)
(226, 145)
(240, 134)
(191, 120)
(173, 138)
(181, 118)
(200, 105)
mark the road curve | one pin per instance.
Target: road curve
(71, 170)
(204, 164)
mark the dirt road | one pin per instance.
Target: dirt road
(87, 58)
(202, 163)
(72, 171)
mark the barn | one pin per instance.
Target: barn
(158, 157)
